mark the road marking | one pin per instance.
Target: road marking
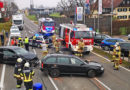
(110, 61)
(102, 84)
(53, 83)
(3, 71)
(56, 88)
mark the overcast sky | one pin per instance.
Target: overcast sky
(45, 3)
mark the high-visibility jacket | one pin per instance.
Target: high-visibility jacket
(18, 69)
(34, 37)
(27, 74)
(14, 42)
(26, 40)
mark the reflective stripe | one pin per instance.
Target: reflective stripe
(18, 86)
(15, 75)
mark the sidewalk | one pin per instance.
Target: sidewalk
(111, 52)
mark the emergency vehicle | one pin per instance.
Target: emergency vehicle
(47, 26)
(71, 34)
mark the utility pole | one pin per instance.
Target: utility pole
(111, 15)
(75, 20)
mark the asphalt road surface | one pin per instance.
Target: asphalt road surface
(110, 80)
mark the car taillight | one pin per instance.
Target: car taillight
(42, 64)
(102, 42)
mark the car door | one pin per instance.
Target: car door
(9, 56)
(78, 66)
(64, 64)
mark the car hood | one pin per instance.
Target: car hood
(94, 64)
(29, 56)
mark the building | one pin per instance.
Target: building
(121, 9)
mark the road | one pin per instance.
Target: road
(110, 80)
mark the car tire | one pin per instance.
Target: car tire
(91, 73)
(88, 52)
(106, 48)
(54, 73)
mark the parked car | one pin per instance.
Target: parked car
(39, 40)
(99, 37)
(129, 37)
(56, 64)
(9, 54)
(125, 48)
(14, 32)
(108, 43)
(14, 28)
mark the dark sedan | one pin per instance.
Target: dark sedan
(9, 54)
(99, 37)
(125, 48)
(56, 64)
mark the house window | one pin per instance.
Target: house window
(129, 9)
(119, 9)
(128, 2)
(124, 17)
(129, 16)
(125, 9)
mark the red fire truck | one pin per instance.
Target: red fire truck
(71, 34)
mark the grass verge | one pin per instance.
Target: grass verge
(109, 56)
(55, 15)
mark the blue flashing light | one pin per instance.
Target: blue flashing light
(75, 29)
(91, 29)
(36, 35)
(48, 29)
(37, 86)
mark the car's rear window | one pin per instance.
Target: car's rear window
(63, 60)
(51, 60)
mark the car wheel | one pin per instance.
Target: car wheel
(54, 73)
(88, 52)
(106, 48)
(91, 73)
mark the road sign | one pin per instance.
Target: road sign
(99, 6)
(79, 13)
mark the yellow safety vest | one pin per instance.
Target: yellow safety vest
(26, 40)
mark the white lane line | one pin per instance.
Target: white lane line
(102, 84)
(110, 61)
(53, 83)
(3, 71)
(56, 88)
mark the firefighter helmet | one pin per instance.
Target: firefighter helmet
(26, 64)
(19, 60)
(117, 43)
(117, 48)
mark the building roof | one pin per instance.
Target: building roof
(107, 3)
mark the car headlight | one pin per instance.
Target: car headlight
(102, 68)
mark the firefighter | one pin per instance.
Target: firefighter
(44, 49)
(17, 70)
(26, 43)
(57, 45)
(117, 57)
(20, 42)
(53, 39)
(33, 41)
(27, 75)
(80, 47)
(14, 42)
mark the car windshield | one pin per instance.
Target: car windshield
(40, 38)
(14, 27)
(20, 51)
(17, 22)
(83, 34)
(49, 23)
(15, 31)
